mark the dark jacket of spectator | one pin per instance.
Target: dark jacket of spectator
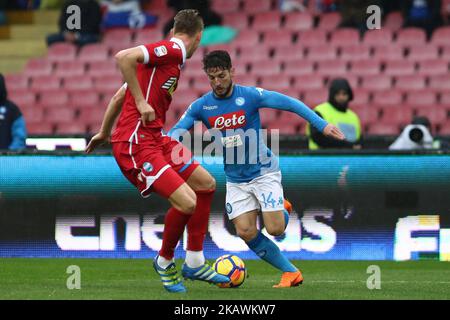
(425, 14)
(12, 125)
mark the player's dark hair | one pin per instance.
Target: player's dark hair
(217, 59)
(188, 21)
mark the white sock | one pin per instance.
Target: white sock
(163, 262)
(195, 259)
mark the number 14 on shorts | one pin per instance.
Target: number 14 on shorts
(268, 200)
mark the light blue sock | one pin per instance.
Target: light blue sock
(269, 252)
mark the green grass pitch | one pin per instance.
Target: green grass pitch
(135, 279)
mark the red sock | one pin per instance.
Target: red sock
(174, 224)
(198, 224)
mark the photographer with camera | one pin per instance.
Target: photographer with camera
(416, 135)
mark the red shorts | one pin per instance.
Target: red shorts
(158, 165)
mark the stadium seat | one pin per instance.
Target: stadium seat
(69, 69)
(282, 127)
(33, 115)
(445, 55)
(329, 21)
(62, 52)
(398, 116)
(230, 47)
(225, 6)
(201, 84)
(445, 98)
(410, 82)
(240, 69)
(45, 83)
(411, 37)
(298, 21)
(108, 84)
(307, 82)
(193, 69)
(250, 54)
(73, 128)
(421, 99)
(278, 82)
(16, 81)
(420, 52)
(265, 68)
(314, 97)
(94, 52)
(321, 53)
(84, 99)
(59, 115)
(247, 38)
(332, 68)
(365, 67)
(277, 38)
(266, 21)
(440, 82)
(393, 21)
(380, 37)
(399, 68)
(440, 36)
(355, 53)
(287, 53)
(256, 6)
(388, 98)
(298, 67)
(383, 129)
(120, 35)
(267, 115)
(246, 80)
(42, 128)
(54, 99)
(146, 36)
(433, 67)
(103, 68)
(23, 98)
(376, 82)
(344, 37)
(436, 115)
(385, 53)
(89, 116)
(313, 37)
(361, 96)
(78, 83)
(445, 129)
(38, 67)
(367, 114)
(237, 20)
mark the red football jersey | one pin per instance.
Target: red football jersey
(158, 78)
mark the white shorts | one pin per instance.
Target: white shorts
(264, 193)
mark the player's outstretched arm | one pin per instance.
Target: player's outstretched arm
(275, 100)
(127, 61)
(111, 114)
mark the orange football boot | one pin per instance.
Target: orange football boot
(290, 279)
(287, 206)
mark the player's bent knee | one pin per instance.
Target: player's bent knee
(275, 230)
(247, 234)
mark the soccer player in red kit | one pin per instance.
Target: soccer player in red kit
(152, 161)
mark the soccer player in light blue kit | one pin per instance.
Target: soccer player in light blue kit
(252, 171)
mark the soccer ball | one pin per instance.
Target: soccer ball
(233, 267)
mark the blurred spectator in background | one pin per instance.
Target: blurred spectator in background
(354, 13)
(125, 13)
(425, 14)
(210, 18)
(91, 17)
(3, 6)
(337, 112)
(320, 6)
(291, 5)
(416, 135)
(12, 124)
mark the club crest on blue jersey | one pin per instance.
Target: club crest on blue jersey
(240, 101)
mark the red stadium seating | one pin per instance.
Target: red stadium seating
(238, 20)
(45, 83)
(115, 36)
(321, 53)
(383, 129)
(312, 37)
(385, 53)
(103, 68)
(298, 67)
(16, 81)
(225, 6)
(410, 82)
(445, 98)
(440, 36)
(282, 127)
(437, 116)
(367, 114)
(78, 83)
(94, 52)
(59, 115)
(380, 37)
(92, 117)
(411, 37)
(298, 21)
(361, 96)
(256, 6)
(308, 82)
(265, 68)
(332, 68)
(62, 52)
(23, 98)
(376, 82)
(287, 53)
(247, 38)
(201, 84)
(250, 54)
(433, 67)
(266, 21)
(329, 21)
(145, 36)
(440, 82)
(355, 53)
(276, 38)
(39, 128)
(314, 97)
(421, 99)
(344, 37)
(70, 69)
(33, 115)
(388, 98)
(268, 115)
(83, 99)
(193, 69)
(71, 128)
(393, 21)
(398, 116)
(108, 83)
(38, 67)
(445, 129)
(277, 82)
(54, 99)
(365, 67)
(420, 52)
(399, 68)
(445, 55)
(246, 80)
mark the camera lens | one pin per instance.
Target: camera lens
(416, 135)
